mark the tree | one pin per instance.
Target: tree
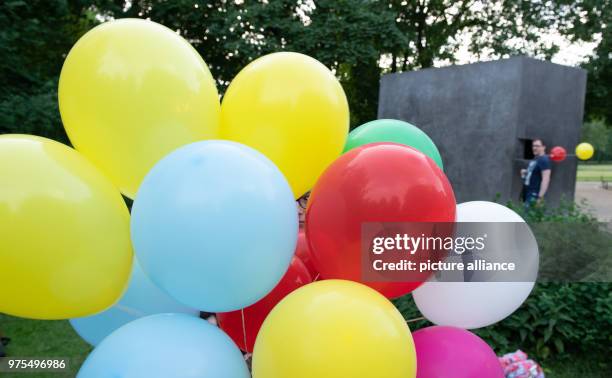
(596, 133)
(34, 39)
(346, 35)
(228, 35)
(599, 85)
(599, 66)
(358, 39)
(350, 36)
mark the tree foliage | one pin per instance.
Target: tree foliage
(358, 39)
(599, 67)
(599, 135)
(346, 35)
(35, 37)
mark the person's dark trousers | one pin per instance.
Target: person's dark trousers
(530, 199)
(3, 342)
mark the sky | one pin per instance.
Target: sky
(570, 53)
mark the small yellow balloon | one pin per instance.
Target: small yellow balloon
(332, 329)
(291, 108)
(65, 248)
(584, 151)
(130, 92)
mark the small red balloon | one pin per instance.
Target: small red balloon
(243, 325)
(302, 251)
(558, 154)
(379, 182)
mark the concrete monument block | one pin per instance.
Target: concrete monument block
(483, 117)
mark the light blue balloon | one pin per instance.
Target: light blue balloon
(215, 225)
(166, 345)
(142, 298)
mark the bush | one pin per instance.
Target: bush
(599, 135)
(574, 246)
(557, 319)
(565, 212)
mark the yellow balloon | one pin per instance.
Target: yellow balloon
(584, 151)
(291, 108)
(65, 248)
(334, 329)
(130, 92)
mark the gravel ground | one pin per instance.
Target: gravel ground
(599, 200)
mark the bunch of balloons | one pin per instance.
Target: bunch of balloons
(214, 223)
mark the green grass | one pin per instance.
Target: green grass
(594, 172)
(583, 366)
(43, 338)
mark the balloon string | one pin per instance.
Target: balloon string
(243, 328)
(130, 311)
(317, 277)
(415, 319)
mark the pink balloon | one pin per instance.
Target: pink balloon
(449, 352)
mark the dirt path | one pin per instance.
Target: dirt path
(598, 199)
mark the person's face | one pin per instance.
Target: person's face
(302, 203)
(538, 148)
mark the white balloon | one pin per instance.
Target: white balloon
(472, 305)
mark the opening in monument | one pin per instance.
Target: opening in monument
(527, 151)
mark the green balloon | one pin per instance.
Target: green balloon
(393, 130)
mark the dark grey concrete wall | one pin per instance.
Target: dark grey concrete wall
(479, 114)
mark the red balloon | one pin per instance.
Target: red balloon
(302, 251)
(558, 154)
(243, 325)
(379, 182)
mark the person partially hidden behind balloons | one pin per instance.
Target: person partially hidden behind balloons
(536, 177)
(302, 203)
